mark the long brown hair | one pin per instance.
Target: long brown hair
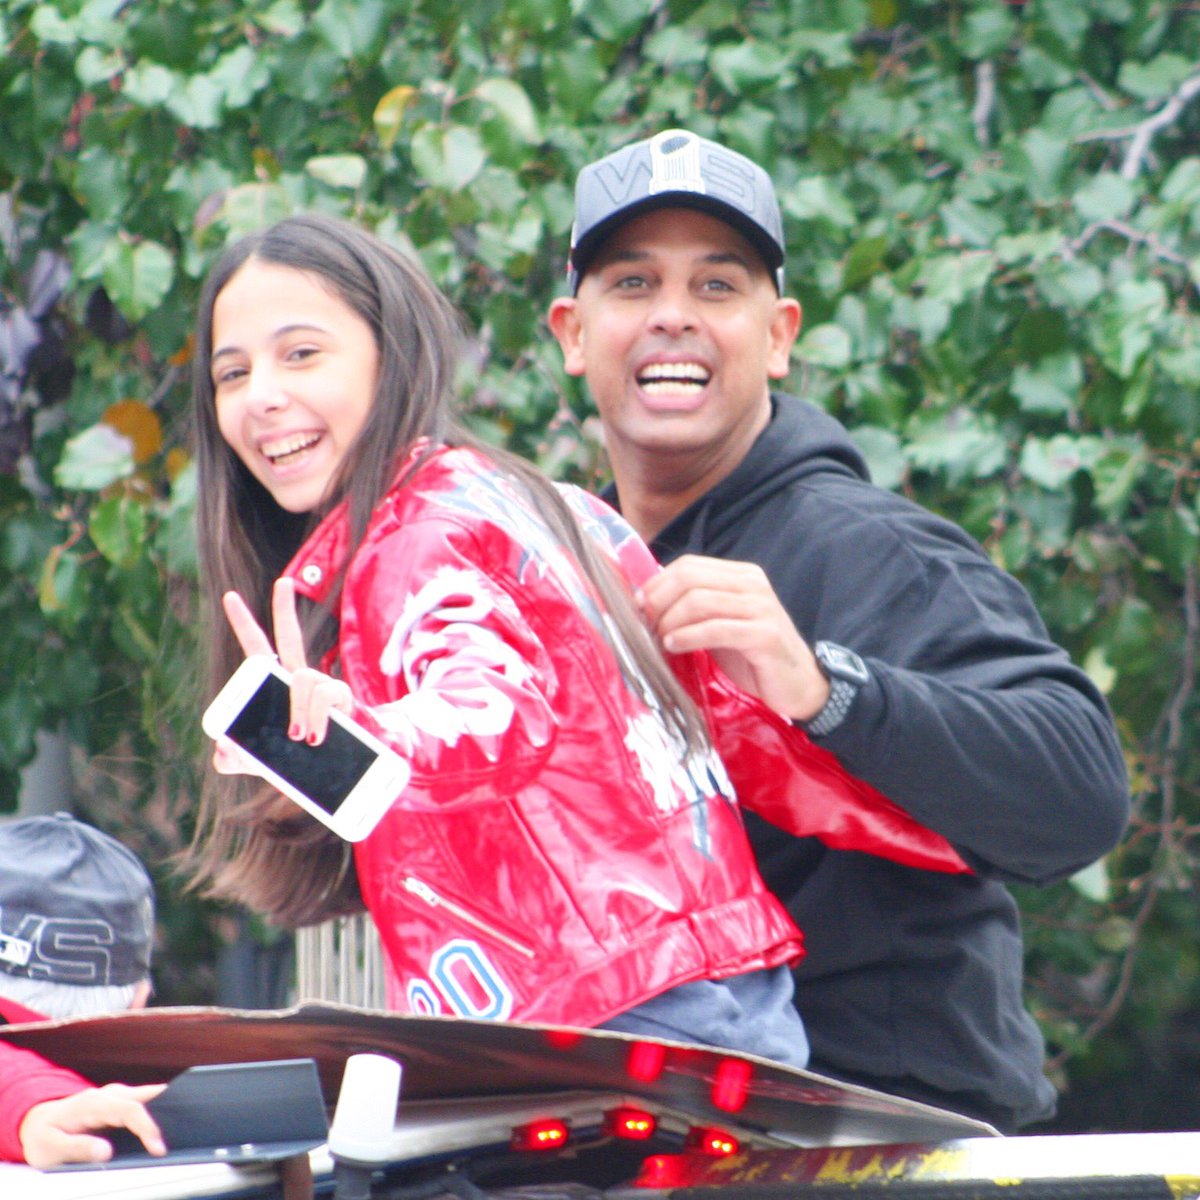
(294, 869)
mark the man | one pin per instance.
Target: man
(76, 933)
(882, 630)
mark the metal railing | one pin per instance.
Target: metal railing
(341, 961)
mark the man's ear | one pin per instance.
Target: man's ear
(785, 328)
(567, 328)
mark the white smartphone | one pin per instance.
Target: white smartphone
(347, 782)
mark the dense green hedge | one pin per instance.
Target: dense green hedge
(993, 215)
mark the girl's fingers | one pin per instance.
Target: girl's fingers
(313, 696)
(250, 635)
(229, 759)
(289, 640)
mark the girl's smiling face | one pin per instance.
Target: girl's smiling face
(294, 370)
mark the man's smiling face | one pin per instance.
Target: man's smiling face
(678, 329)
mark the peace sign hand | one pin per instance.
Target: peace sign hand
(314, 693)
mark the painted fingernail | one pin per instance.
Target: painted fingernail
(294, 732)
(311, 739)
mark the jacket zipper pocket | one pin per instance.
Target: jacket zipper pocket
(435, 900)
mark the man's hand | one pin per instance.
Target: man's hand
(58, 1131)
(731, 610)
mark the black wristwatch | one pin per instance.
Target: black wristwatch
(846, 673)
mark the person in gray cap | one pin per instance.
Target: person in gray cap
(882, 630)
(76, 936)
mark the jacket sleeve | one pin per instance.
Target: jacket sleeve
(974, 721)
(27, 1079)
(779, 773)
(446, 668)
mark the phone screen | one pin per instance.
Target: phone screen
(326, 774)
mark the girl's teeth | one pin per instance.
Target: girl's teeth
(285, 451)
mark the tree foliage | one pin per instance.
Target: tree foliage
(993, 216)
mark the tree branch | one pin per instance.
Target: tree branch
(985, 99)
(1075, 246)
(1142, 134)
(1173, 723)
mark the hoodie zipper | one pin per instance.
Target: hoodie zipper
(434, 899)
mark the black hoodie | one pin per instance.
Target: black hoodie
(973, 720)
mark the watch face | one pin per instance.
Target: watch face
(842, 663)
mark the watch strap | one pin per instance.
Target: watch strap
(841, 696)
(846, 673)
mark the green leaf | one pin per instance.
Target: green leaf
(863, 261)
(817, 198)
(338, 170)
(953, 277)
(100, 177)
(1050, 385)
(971, 224)
(1092, 882)
(884, 454)
(94, 459)
(255, 205)
(962, 446)
(1041, 160)
(1127, 322)
(987, 31)
(48, 25)
(1073, 285)
(825, 346)
(614, 20)
(1105, 197)
(449, 157)
(1156, 79)
(1052, 462)
(513, 104)
(746, 65)
(676, 46)
(389, 113)
(94, 66)
(19, 718)
(351, 28)
(1182, 185)
(198, 103)
(149, 84)
(1117, 475)
(118, 527)
(831, 49)
(137, 277)
(239, 76)
(284, 17)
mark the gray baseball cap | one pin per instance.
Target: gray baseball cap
(675, 169)
(76, 906)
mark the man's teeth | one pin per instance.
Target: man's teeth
(673, 377)
(287, 447)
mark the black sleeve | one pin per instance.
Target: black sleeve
(974, 720)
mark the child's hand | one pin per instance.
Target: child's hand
(314, 693)
(61, 1131)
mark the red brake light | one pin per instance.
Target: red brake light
(632, 1124)
(646, 1061)
(731, 1085)
(708, 1139)
(547, 1134)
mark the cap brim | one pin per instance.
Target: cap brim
(589, 244)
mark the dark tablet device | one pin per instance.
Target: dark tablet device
(230, 1112)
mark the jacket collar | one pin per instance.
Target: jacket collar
(320, 562)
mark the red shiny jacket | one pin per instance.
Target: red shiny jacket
(26, 1079)
(554, 857)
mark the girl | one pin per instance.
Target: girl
(568, 849)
